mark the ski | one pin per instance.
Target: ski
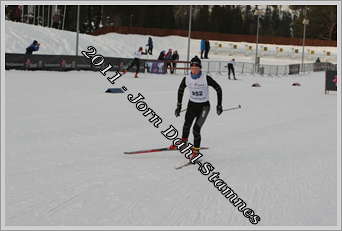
(149, 150)
(183, 165)
(155, 150)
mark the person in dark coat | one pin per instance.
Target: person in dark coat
(231, 68)
(168, 56)
(202, 47)
(174, 57)
(161, 55)
(207, 48)
(33, 47)
(149, 45)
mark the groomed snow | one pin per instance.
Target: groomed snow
(65, 140)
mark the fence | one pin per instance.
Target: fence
(63, 63)
(68, 62)
(264, 69)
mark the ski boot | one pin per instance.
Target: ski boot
(174, 147)
(195, 152)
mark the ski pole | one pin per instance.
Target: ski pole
(227, 109)
(232, 108)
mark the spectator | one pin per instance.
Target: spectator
(207, 48)
(175, 57)
(168, 56)
(150, 46)
(161, 55)
(33, 47)
(318, 60)
(202, 47)
(231, 65)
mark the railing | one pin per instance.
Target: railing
(263, 69)
(69, 62)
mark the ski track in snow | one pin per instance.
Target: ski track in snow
(65, 140)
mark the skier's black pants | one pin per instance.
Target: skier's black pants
(174, 65)
(202, 51)
(29, 51)
(199, 113)
(206, 52)
(231, 69)
(169, 65)
(135, 62)
(149, 51)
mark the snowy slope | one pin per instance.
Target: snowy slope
(53, 41)
(65, 140)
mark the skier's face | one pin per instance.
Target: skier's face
(195, 70)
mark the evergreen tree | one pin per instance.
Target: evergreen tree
(248, 20)
(237, 20)
(275, 21)
(266, 22)
(285, 24)
(201, 24)
(322, 21)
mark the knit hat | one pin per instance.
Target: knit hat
(195, 61)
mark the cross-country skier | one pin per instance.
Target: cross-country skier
(136, 61)
(198, 105)
(231, 65)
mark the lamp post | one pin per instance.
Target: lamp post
(258, 13)
(77, 28)
(305, 23)
(189, 36)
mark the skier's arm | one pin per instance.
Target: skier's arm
(181, 88)
(216, 86)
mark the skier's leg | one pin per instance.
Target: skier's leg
(174, 65)
(200, 119)
(228, 71)
(137, 64)
(131, 64)
(189, 119)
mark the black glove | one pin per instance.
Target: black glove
(219, 109)
(178, 109)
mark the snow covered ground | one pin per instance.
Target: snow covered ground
(53, 41)
(65, 140)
